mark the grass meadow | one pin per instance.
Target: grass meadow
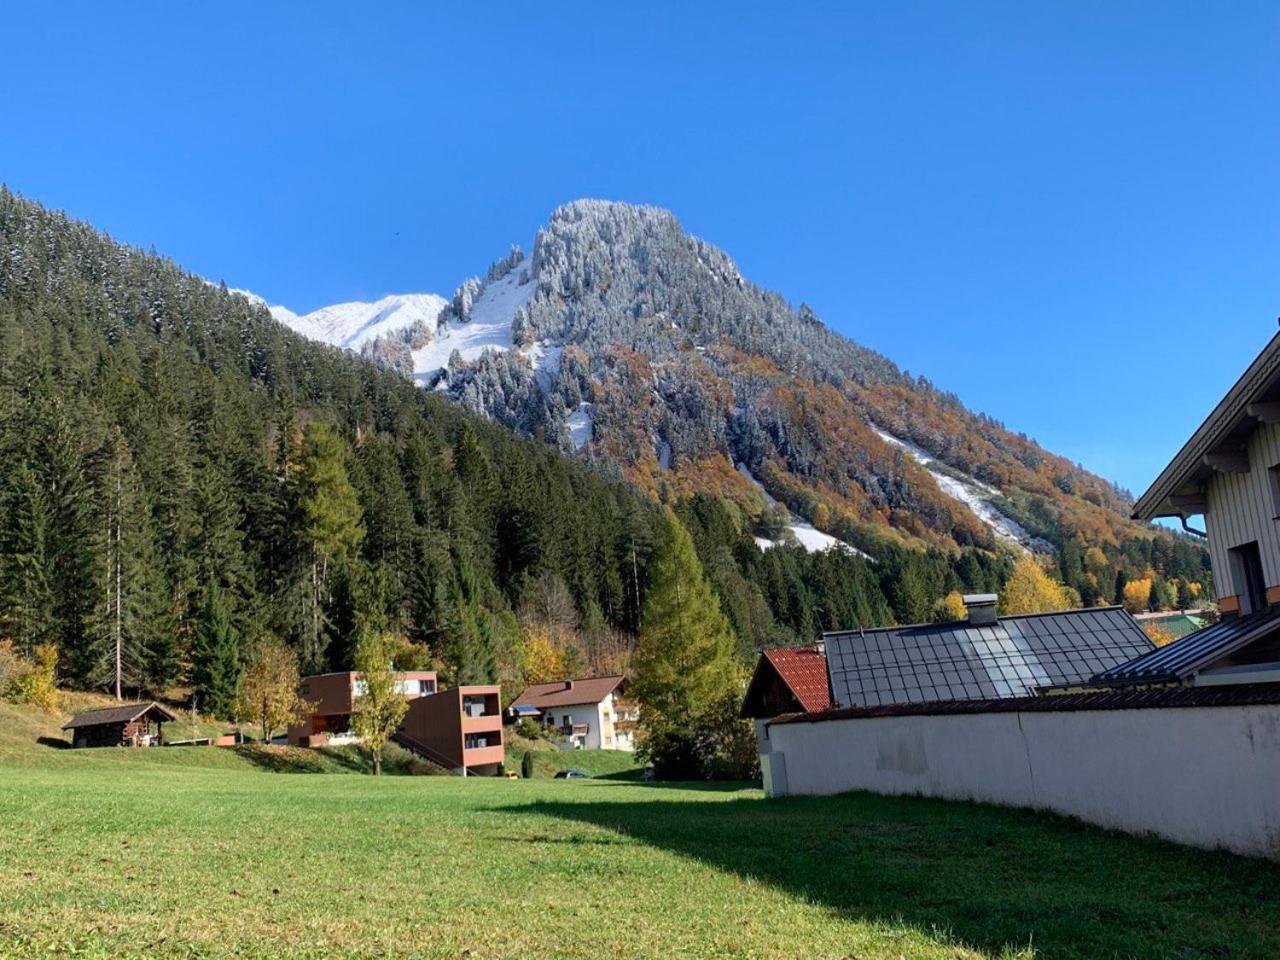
(202, 852)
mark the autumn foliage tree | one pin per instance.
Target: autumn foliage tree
(381, 704)
(1137, 595)
(269, 696)
(1031, 590)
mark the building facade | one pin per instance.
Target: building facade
(332, 697)
(1229, 473)
(585, 714)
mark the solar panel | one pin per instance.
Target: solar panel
(1011, 658)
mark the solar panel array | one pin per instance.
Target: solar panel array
(957, 661)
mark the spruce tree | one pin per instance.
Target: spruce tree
(26, 598)
(215, 671)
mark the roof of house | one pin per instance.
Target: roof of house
(1012, 657)
(1160, 697)
(564, 693)
(801, 670)
(1184, 657)
(1227, 424)
(124, 713)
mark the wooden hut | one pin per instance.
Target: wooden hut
(127, 725)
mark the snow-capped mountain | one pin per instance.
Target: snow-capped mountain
(644, 349)
(354, 324)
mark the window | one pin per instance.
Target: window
(1246, 577)
(1273, 476)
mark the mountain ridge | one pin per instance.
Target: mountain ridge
(643, 348)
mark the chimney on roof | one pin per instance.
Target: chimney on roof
(568, 684)
(981, 607)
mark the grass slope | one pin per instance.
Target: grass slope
(115, 853)
(549, 758)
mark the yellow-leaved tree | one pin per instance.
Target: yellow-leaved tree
(381, 705)
(542, 661)
(1031, 590)
(1137, 595)
(268, 695)
(950, 608)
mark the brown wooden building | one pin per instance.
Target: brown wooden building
(128, 725)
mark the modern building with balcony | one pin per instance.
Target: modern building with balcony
(460, 729)
(332, 697)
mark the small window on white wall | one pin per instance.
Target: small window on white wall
(1273, 476)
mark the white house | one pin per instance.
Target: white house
(589, 713)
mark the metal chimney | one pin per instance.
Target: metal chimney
(981, 607)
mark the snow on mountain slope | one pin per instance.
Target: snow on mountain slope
(489, 327)
(352, 324)
(806, 534)
(974, 494)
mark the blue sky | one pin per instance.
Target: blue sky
(1069, 217)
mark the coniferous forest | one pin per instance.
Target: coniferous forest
(183, 477)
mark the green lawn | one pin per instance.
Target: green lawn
(205, 853)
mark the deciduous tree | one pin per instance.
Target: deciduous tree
(1031, 590)
(381, 704)
(269, 694)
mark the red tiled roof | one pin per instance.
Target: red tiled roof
(804, 670)
(563, 693)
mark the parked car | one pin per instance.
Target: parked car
(572, 775)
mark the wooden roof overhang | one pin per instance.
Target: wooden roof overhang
(1219, 444)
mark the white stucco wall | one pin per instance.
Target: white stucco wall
(1205, 776)
(601, 733)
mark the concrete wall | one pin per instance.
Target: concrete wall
(1205, 776)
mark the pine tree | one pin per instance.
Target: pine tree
(215, 669)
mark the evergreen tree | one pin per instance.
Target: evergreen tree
(26, 597)
(215, 671)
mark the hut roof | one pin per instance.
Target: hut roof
(125, 713)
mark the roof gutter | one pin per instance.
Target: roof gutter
(1190, 529)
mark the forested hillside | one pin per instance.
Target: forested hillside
(174, 457)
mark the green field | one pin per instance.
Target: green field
(203, 852)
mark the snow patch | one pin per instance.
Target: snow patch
(664, 455)
(353, 324)
(488, 329)
(806, 534)
(580, 425)
(973, 493)
(545, 359)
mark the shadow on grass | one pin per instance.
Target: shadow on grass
(280, 759)
(991, 879)
(57, 743)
